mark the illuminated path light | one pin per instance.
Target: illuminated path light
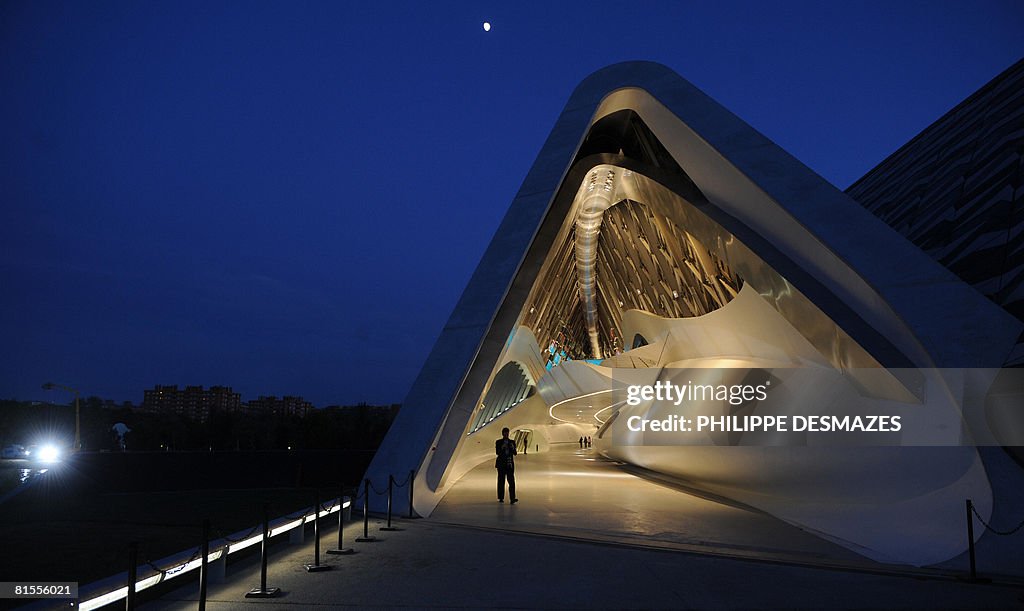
(94, 600)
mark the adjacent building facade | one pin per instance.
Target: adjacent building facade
(957, 191)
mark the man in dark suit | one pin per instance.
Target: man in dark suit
(505, 463)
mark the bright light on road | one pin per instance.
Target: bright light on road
(49, 453)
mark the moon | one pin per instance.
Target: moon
(487, 26)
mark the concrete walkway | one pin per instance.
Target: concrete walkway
(575, 493)
(588, 534)
(435, 566)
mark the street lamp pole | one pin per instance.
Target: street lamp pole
(78, 418)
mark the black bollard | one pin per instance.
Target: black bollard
(204, 570)
(316, 566)
(973, 578)
(263, 591)
(341, 549)
(366, 538)
(970, 540)
(391, 482)
(133, 561)
(412, 475)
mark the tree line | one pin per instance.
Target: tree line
(355, 427)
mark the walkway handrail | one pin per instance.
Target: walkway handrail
(112, 589)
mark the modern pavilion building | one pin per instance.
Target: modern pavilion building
(658, 239)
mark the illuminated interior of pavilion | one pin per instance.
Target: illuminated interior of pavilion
(658, 255)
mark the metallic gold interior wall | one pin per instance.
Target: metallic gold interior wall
(647, 262)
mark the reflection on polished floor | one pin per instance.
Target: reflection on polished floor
(573, 492)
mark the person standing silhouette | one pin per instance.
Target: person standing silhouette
(505, 463)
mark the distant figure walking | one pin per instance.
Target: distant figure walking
(505, 463)
(581, 442)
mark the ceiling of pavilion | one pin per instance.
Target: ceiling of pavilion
(645, 260)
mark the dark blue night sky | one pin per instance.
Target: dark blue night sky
(288, 198)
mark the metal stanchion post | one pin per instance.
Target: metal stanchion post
(204, 569)
(133, 561)
(316, 566)
(973, 577)
(412, 475)
(341, 550)
(219, 568)
(970, 540)
(366, 538)
(391, 482)
(263, 591)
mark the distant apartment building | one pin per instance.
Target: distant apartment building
(192, 402)
(285, 406)
(390, 411)
(111, 404)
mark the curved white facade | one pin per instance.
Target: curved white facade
(654, 216)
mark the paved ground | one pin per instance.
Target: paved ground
(575, 493)
(588, 535)
(430, 565)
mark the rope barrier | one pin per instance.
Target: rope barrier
(252, 531)
(328, 508)
(374, 488)
(299, 514)
(202, 551)
(176, 568)
(993, 530)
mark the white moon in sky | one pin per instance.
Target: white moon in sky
(487, 26)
